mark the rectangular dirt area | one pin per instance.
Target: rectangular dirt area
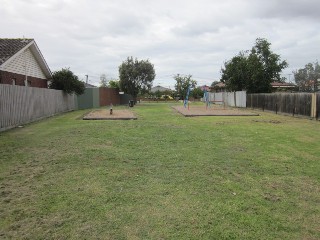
(197, 111)
(104, 114)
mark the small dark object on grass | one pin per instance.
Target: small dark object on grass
(111, 111)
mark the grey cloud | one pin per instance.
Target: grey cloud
(190, 37)
(288, 9)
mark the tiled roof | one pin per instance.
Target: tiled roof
(10, 46)
(280, 84)
(220, 85)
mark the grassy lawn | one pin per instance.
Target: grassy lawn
(162, 176)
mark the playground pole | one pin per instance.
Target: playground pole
(206, 97)
(187, 97)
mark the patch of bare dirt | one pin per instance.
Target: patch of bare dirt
(194, 111)
(268, 121)
(104, 114)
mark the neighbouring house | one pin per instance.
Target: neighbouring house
(159, 89)
(205, 88)
(21, 63)
(283, 87)
(88, 85)
(219, 87)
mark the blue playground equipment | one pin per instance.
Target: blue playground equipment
(187, 98)
(206, 98)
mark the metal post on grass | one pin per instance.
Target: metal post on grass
(111, 111)
(186, 100)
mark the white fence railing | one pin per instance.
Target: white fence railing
(232, 99)
(20, 105)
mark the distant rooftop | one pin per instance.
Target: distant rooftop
(160, 89)
(88, 85)
(283, 85)
(219, 85)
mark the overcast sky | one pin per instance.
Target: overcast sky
(187, 37)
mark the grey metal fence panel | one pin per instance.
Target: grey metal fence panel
(216, 98)
(241, 99)
(20, 105)
(231, 99)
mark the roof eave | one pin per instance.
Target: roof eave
(42, 62)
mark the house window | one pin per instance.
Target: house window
(13, 81)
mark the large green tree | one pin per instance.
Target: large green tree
(254, 70)
(136, 76)
(67, 81)
(197, 93)
(113, 83)
(183, 83)
(235, 72)
(307, 78)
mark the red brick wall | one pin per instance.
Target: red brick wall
(108, 96)
(6, 78)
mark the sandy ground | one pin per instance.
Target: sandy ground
(194, 111)
(104, 114)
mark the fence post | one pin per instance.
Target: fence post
(314, 105)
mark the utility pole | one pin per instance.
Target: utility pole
(86, 79)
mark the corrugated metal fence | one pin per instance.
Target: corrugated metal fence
(99, 97)
(305, 104)
(20, 105)
(232, 99)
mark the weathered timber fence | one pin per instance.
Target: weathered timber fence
(318, 105)
(304, 104)
(21, 105)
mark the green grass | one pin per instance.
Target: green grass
(162, 176)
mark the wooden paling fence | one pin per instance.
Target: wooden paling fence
(304, 104)
(21, 105)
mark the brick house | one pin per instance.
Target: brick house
(21, 63)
